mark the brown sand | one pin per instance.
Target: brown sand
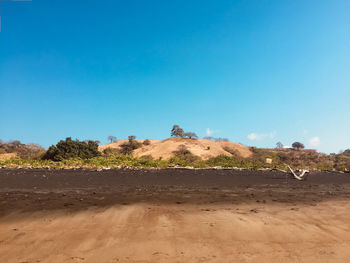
(200, 147)
(173, 216)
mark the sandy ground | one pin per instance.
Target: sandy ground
(205, 149)
(178, 217)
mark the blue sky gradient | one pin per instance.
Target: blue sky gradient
(256, 72)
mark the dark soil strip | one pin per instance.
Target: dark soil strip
(75, 190)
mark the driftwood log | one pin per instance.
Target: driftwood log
(301, 176)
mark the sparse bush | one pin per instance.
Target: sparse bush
(233, 152)
(182, 150)
(146, 142)
(190, 135)
(130, 146)
(111, 151)
(31, 151)
(148, 157)
(216, 139)
(184, 157)
(24, 151)
(221, 139)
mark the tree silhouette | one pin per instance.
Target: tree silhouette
(298, 145)
(279, 145)
(112, 138)
(177, 131)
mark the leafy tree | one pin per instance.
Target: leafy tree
(279, 145)
(112, 138)
(177, 131)
(68, 149)
(190, 135)
(298, 145)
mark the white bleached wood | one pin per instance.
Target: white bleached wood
(300, 177)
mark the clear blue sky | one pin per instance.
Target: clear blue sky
(256, 72)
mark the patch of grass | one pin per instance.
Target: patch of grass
(183, 158)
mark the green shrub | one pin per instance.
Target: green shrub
(130, 146)
(111, 151)
(69, 149)
(184, 157)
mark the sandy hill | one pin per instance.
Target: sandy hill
(200, 147)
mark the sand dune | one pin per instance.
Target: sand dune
(200, 147)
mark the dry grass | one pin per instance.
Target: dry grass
(7, 156)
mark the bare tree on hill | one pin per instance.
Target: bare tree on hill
(132, 138)
(190, 135)
(279, 145)
(112, 138)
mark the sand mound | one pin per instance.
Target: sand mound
(7, 156)
(200, 147)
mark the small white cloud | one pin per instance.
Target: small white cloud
(253, 136)
(260, 136)
(315, 141)
(209, 132)
(305, 132)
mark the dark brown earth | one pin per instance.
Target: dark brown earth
(40, 189)
(173, 215)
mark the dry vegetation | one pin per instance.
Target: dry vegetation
(13, 149)
(176, 151)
